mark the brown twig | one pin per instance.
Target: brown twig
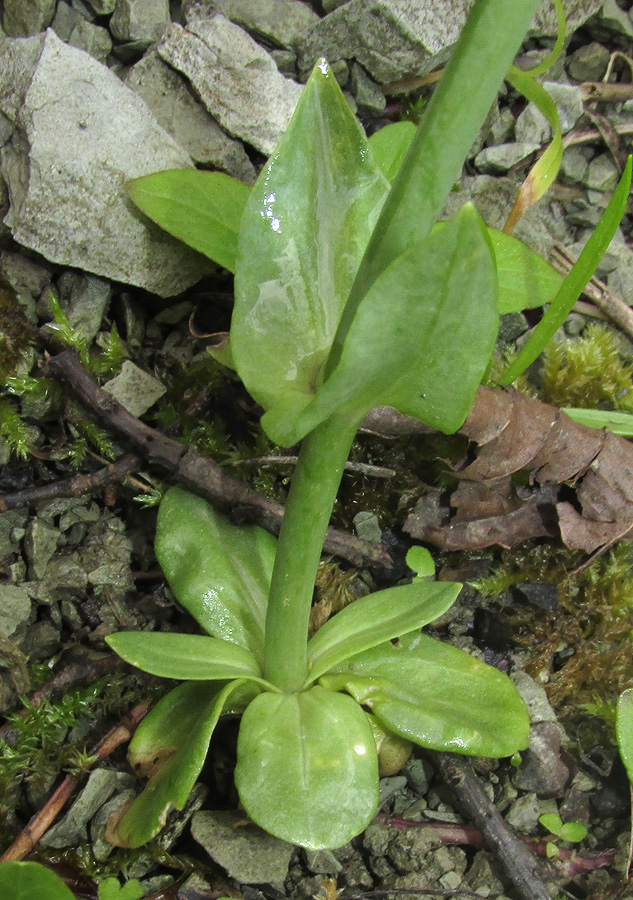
(597, 291)
(517, 862)
(573, 138)
(77, 486)
(197, 472)
(609, 92)
(350, 466)
(42, 821)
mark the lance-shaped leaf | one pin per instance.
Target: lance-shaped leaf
(307, 769)
(31, 881)
(377, 618)
(188, 657)
(202, 209)
(421, 338)
(437, 696)
(220, 573)
(303, 232)
(624, 730)
(390, 145)
(524, 278)
(170, 747)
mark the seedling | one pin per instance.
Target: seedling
(573, 832)
(348, 296)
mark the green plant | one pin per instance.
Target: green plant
(348, 296)
(573, 832)
(624, 734)
(33, 881)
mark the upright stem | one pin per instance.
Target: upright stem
(312, 494)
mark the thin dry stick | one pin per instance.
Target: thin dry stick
(573, 138)
(42, 821)
(359, 468)
(518, 863)
(597, 291)
(606, 92)
(197, 472)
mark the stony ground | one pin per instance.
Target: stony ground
(114, 89)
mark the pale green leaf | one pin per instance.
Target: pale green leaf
(111, 889)
(525, 279)
(618, 422)
(390, 145)
(304, 230)
(218, 571)
(202, 209)
(191, 657)
(307, 768)
(624, 730)
(31, 881)
(170, 747)
(421, 338)
(376, 618)
(437, 696)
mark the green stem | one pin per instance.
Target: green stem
(307, 515)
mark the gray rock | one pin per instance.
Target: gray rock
(370, 100)
(391, 39)
(602, 174)
(89, 298)
(589, 62)
(103, 7)
(367, 526)
(72, 829)
(498, 160)
(322, 862)
(542, 771)
(80, 134)
(141, 21)
(92, 38)
(573, 167)
(278, 22)
(65, 20)
(501, 126)
(101, 848)
(40, 543)
(168, 97)
(577, 12)
(620, 279)
(532, 124)
(247, 853)
(236, 79)
(135, 389)
(286, 62)
(614, 21)
(24, 18)
(524, 814)
(15, 608)
(511, 327)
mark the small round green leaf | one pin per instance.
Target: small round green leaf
(31, 881)
(307, 768)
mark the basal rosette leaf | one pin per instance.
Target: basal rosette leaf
(624, 730)
(420, 339)
(170, 747)
(307, 768)
(377, 618)
(304, 230)
(219, 572)
(436, 696)
(31, 881)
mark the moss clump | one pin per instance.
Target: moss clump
(588, 372)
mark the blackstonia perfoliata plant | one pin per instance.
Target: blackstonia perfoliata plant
(347, 297)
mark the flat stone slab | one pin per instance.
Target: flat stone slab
(235, 78)
(135, 389)
(79, 135)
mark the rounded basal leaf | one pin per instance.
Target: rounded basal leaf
(624, 730)
(188, 657)
(420, 340)
(379, 617)
(31, 881)
(307, 769)
(525, 279)
(303, 233)
(220, 573)
(389, 146)
(437, 696)
(170, 747)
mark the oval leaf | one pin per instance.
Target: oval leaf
(188, 657)
(437, 696)
(220, 573)
(624, 730)
(307, 769)
(170, 746)
(202, 209)
(421, 338)
(525, 279)
(304, 230)
(381, 616)
(31, 881)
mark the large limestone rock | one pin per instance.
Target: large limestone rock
(78, 134)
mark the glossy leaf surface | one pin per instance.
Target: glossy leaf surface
(389, 146)
(202, 209)
(624, 730)
(304, 230)
(307, 769)
(31, 881)
(381, 616)
(170, 747)
(421, 338)
(525, 279)
(220, 573)
(190, 657)
(437, 696)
